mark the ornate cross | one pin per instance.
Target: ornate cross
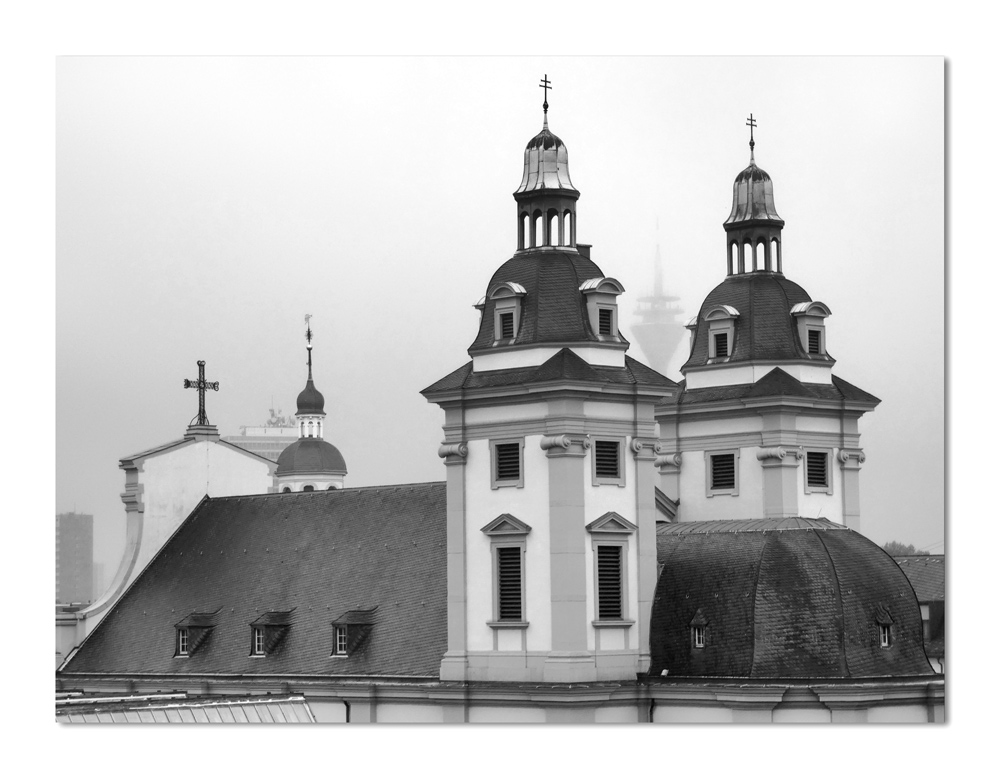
(202, 386)
(546, 85)
(751, 124)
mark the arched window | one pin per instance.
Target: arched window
(775, 255)
(747, 259)
(537, 229)
(734, 257)
(331, 488)
(522, 229)
(308, 488)
(286, 490)
(552, 228)
(567, 236)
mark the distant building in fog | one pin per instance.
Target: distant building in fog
(74, 557)
(658, 329)
(269, 439)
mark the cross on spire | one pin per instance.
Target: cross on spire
(202, 386)
(309, 338)
(546, 85)
(751, 123)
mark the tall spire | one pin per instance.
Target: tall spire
(546, 85)
(309, 348)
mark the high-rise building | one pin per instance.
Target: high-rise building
(74, 558)
(268, 439)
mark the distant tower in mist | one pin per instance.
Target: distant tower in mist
(74, 558)
(659, 329)
(270, 438)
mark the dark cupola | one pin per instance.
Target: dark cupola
(753, 229)
(546, 198)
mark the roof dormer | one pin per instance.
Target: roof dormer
(506, 297)
(809, 320)
(721, 332)
(602, 306)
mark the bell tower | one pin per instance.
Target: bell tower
(549, 442)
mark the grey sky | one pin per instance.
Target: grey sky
(205, 205)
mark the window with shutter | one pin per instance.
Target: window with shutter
(816, 475)
(609, 582)
(721, 344)
(605, 321)
(508, 461)
(606, 459)
(723, 471)
(509, 583)
(814, 342)
(506, 326)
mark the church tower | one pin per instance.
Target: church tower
(549, 447)
(762, 426)
(310, 463)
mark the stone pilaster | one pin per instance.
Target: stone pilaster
(454, 665)
(850, 469)
(780, 478)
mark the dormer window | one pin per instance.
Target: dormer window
(351, 630)
(884, 620)
(257, 641)
(192, 632)
(721, 332)
(602, 306)
(884, 635)
(809, 320)
(268, 631)
(506, 299)
(698, 637)
(699, 628)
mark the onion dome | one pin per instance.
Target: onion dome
(310, 399)
(309, 456)
(781, 598)
(546, 164)
(753, 197)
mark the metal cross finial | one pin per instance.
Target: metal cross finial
(546, 85)
(751, 124)
(202, 386)
(309, 348)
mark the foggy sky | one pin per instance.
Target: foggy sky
(204, 205)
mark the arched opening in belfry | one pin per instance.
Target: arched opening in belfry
(537, 229)
(762, 255)
(308, 488)
(776, 254)
(568, 238)
(746, 260)
(733, 258)
(522, 228)
(552, 227)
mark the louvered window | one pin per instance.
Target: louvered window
(182, 642)
(609, 582)
(814, 342)
(721, 344)
(508, 461)
(506, 326)
(606, 459)
(816, 474)
(605, 321)
(509, 584)
(723, 471)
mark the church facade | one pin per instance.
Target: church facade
(608, 545)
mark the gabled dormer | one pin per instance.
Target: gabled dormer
(721, 321)
(601, 295)
(506, 297)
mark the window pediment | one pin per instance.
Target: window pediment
(611, 523)
(506, 525)
(721, 313)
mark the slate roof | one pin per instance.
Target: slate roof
(553, 310)
(321, 553)
(782, 598)
(311, 455)
(561, 366)
(926, 574)
(777, 383)
(765, 329)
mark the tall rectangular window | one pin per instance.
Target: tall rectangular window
(609, 582)
(182, 642)
(816, 470)
(698, 637)
(884, 635)
(258, 641)
(509, 584)
(606, 459)
(506, 325)
(340, 640)
(605, 321)
(723, 471)
(814, 347)
(507, 466)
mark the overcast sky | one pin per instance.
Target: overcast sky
(204, 205)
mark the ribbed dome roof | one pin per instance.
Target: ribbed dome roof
(781, 598)
(554, 310)
(546, 164)
(310, 400)
(765, 328)
(311, 455)
(753, 197)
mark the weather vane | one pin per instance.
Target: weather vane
(751, 124)
(202, 386)
(546, 85)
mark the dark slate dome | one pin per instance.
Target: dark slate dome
(765, 329)
(311, 455)
(310, 400)
(546, 164)
(781, 598)
(753, 197)
(554, 310)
